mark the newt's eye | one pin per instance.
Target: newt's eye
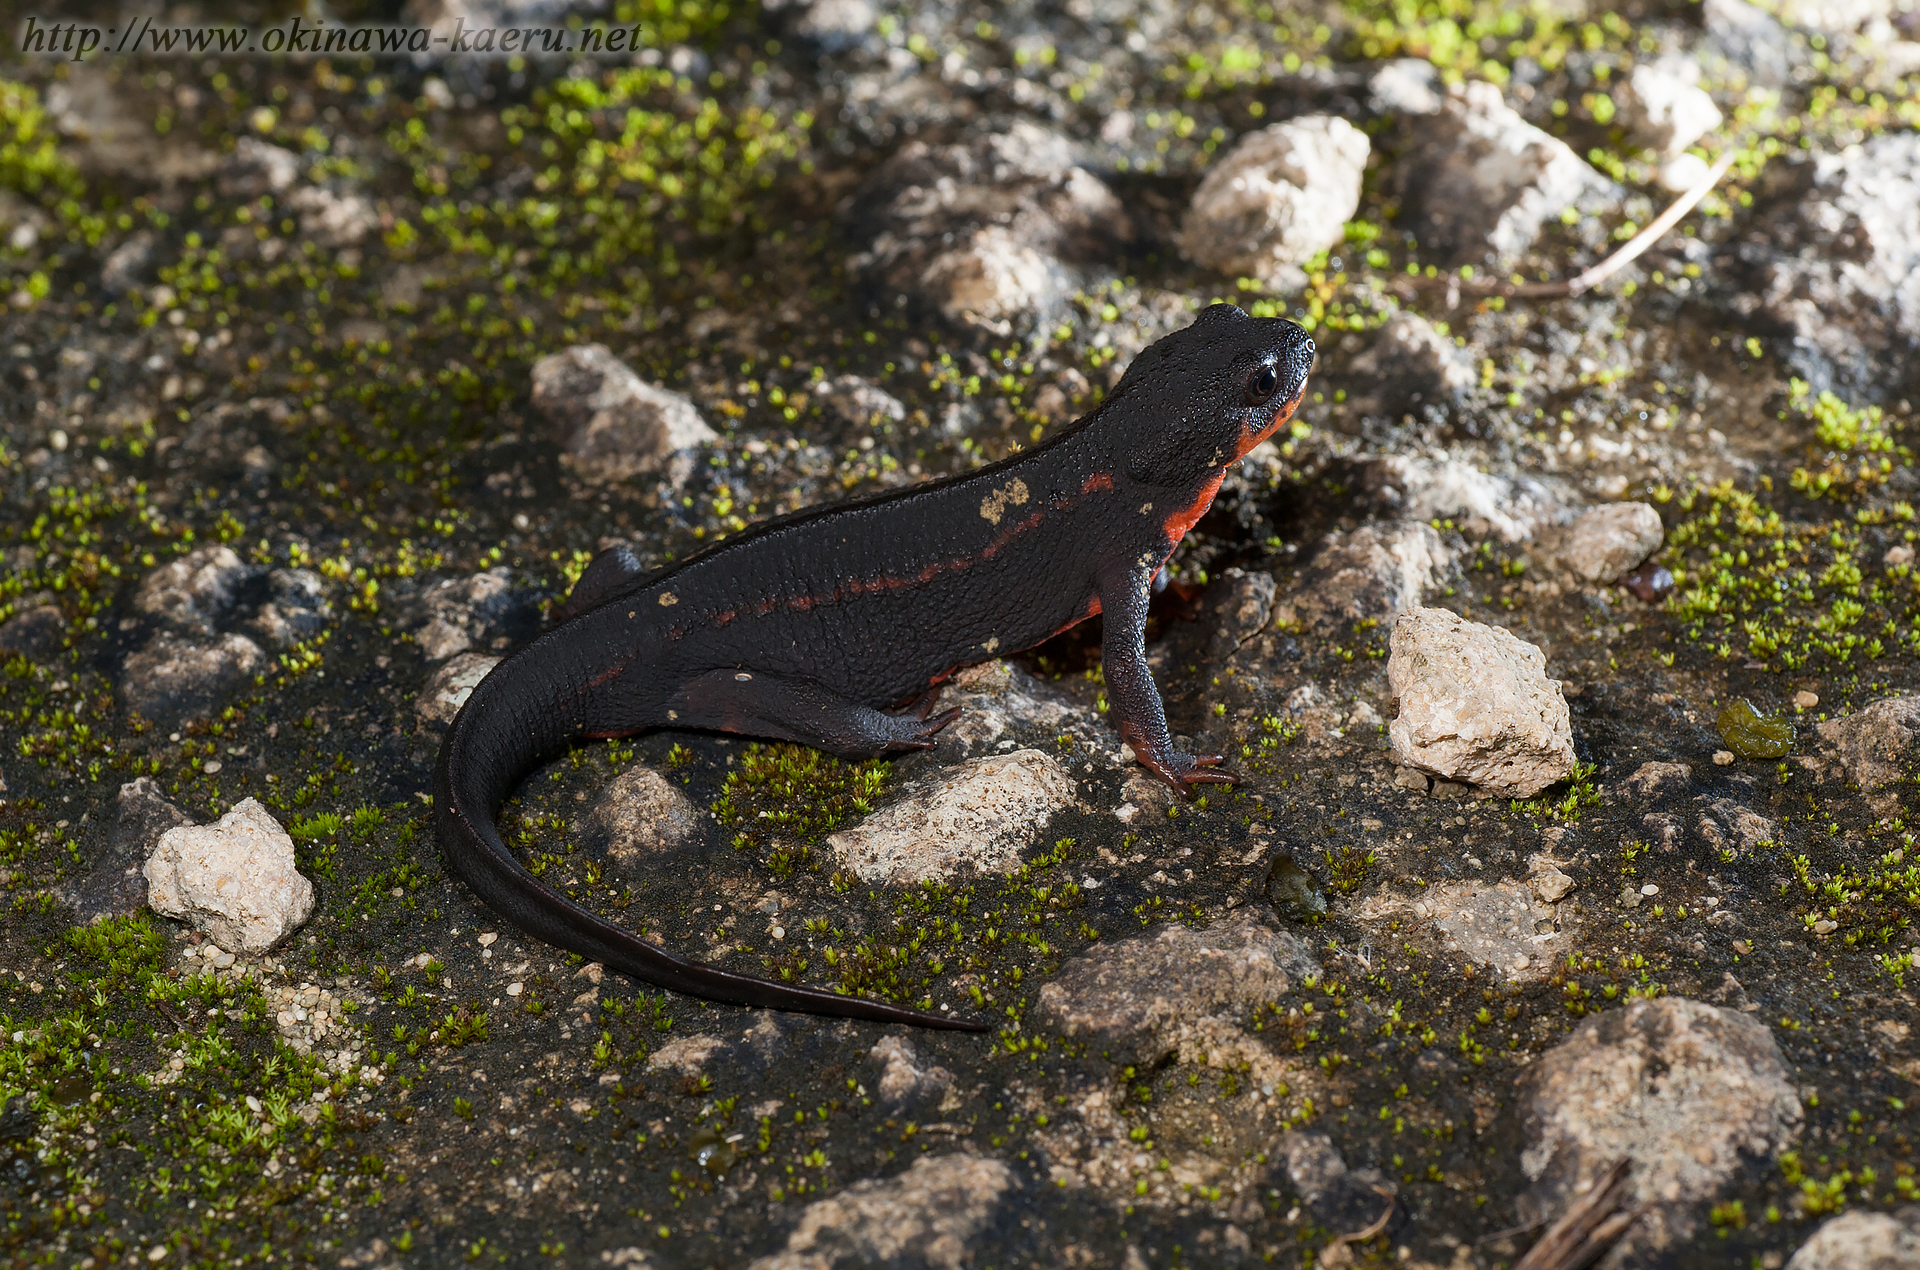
(1260, 389)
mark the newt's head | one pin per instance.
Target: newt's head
(1204, 396)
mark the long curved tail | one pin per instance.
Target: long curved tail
(494, 741)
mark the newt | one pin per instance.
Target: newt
(834, 626)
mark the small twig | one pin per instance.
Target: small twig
(1362, 1236)
(1592, 1224)
(1587, 279)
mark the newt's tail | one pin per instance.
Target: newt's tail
(499, 734)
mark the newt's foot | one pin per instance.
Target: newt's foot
(1184, 771)
(913, 729)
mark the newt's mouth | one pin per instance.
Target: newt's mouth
(1282, 413)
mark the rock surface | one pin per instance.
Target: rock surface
(932, 1215)
(1340, 1198)
(1836, 260)
(234, 879)
(1692, 1094)
(173, 679)
(1410, 363)
(1874, 746)
(1608, 541)
(639, 816)
(1479, 181)
(116, 884)
(195, 592)
(1376, 571)
(1134, 996)
(1664, 107)
(976, 818)
(1495, 924)
(1657, 779)
(1476, 705)
(905, 1080)
(457, 614)
(1863, 1241)
(34, 633)
(1280, 195)
(611, 424)
(451, 685)
(984, 231)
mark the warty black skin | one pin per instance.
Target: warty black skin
(824, 627)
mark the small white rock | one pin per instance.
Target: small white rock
(977, 817)
(1476, 705)
(1723, 758)
(1277, 197)
(1663, 108)
(235, 879)
(612, 424)
(1611, 540)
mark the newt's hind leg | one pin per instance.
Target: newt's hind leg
(758, 704)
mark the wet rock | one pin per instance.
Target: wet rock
(904, 1081)
(126, 267)
(172, 678)
(35, 633)
(1864, 1241)
(978, 818)
(1377, 571)
(456, 614)
(1874, 747)
(1606, 542)
(1409, 363)
(1135, 996)
(255, 168)
(1476, 705)
(1294, 893)
(197, 591)
(1513, 507)
(1663, 108)
(934, 1216)
(639, 817)
(1479, 182)
(1493, 924)
(1835, 261)
(1282, 194)
(861, 402)
(451, 685)
(1658, 780)
(116, 884)
(297, 609)
(234, 879)
(331, 218)
(611, 424)
(985, 231)
(1341, 1199)
(1690, 1093)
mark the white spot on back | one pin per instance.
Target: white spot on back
(668, 599)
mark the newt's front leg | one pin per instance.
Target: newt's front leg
(1136, 702)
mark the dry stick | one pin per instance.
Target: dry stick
(1587, 279)
(1590, 1226)
(1362, 1236)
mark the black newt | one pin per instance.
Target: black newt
(832, 626)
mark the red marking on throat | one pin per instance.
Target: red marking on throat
(1178, 523)
(1281, 415)
(1098, 481)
